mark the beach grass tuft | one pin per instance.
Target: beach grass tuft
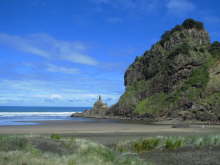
(167, 143)
(50, 150)
(56, 136)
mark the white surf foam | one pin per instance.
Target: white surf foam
(11, 114)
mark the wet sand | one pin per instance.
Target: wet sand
(106, 131)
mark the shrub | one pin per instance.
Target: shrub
(181, 49)
(10, 143)
(168, 143)
(215, 49)
(191, 23)
(172, 144)
(55, 137)
(199, 77)
(146, 145)
(165, 35)
(152, 105)
(215, 45)
(177, 28)
(86, 153)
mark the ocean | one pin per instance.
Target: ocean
(13, 115)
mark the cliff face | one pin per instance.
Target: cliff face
(178, 77)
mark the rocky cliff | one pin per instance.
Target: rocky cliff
(179, 77)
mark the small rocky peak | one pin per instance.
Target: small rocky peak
(190, 35)
(99, 104)
(99, 100)
(190, 31)
(99, 109)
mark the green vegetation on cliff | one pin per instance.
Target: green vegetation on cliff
(177, 77)
(155, 104)
(215, 49)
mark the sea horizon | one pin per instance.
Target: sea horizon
(24, 115)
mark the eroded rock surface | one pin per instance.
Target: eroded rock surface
(99, 110)
(179, 77)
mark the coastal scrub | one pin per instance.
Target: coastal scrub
(22, 150)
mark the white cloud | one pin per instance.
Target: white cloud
(180, 6)
(48, 96)
(36, 92)
(177, 7)
(58, 69)
(49, 47)
(55, 96)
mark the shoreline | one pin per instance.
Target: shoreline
(143, 119)
(100, 126)
(106, 131)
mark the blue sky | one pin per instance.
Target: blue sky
(66, 53)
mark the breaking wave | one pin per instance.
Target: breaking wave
(15, 114)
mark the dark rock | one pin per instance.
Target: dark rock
(99, 110)
(206, 116)
(181, 125)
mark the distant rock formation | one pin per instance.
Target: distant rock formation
(99, 107)
(99, 110)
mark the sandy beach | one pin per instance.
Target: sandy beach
(106, 131)
(113, 132)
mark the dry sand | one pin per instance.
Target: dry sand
(107, 131)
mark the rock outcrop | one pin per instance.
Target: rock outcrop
(179, 77)
(99, 110)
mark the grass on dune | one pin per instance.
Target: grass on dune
(57, 150)
(167, 143)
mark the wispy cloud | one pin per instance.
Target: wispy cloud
(180, 6)
(59, 69)
(37, 92)
(48, 47)
(49, 97)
